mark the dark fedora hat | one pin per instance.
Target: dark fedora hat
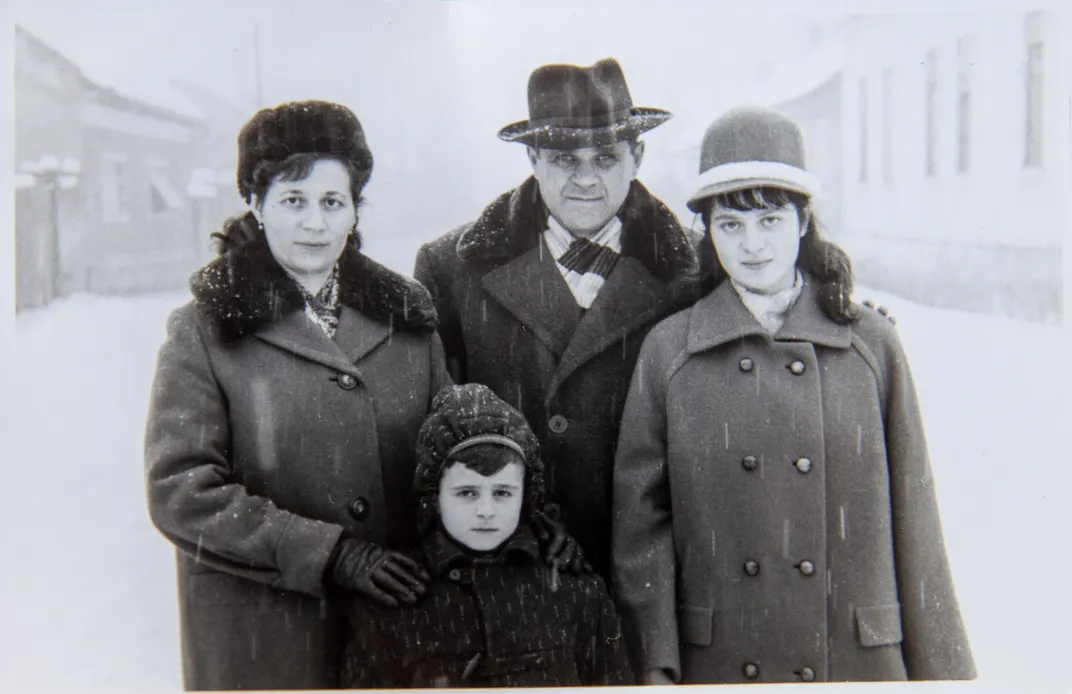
(572, 106)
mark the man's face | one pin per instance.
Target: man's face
(584, 188)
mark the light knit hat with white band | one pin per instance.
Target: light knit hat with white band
(748, 148)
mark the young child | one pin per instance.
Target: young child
(775, 518)
(494, 613)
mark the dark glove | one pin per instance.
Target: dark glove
(378, 574)
(561, 550)
(882, 310)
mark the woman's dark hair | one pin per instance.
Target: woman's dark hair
(239, 230)
(821, 259)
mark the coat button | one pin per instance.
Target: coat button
(806, 567)
(347, 382)
(751, 567)
(749, 463)
(359, 508)
(746, 364)
(807, 675)
(751, 671)
(454, 575)
(803, 465)
(797, 367)
(558, 424)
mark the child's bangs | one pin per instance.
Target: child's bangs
(759, 198)
(486, 460)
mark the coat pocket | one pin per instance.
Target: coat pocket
(879, 626)
(695, 624)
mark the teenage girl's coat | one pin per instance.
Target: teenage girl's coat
(775, 517)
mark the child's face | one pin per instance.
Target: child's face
(758, 248)
(481, 512)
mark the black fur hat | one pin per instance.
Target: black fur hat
(315, 127)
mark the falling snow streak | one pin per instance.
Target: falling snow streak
(841, 517)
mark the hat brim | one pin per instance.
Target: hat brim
(641, 120)
(752, 174)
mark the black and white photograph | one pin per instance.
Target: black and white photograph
(419, 344)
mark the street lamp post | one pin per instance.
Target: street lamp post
(54, 175)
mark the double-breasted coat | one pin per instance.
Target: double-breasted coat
(508, 320)
(774, 508)
(499, 621)
(266, 440)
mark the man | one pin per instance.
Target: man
(547, 296)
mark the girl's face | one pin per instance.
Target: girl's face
(758, 248)
(481, 512)
(307, 221)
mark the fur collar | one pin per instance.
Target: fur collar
(246, 288)
(511, 225)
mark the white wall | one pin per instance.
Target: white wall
(997, 201)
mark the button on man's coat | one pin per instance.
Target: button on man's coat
(509, 321)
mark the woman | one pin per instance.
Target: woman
(287, 397)
(775, 514)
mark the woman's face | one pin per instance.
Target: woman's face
(307, 221)
(758, 248)
(481, 512)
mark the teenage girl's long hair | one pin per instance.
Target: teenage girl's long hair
(827, 263)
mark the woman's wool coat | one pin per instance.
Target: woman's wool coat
(775, 516)
(266, 440)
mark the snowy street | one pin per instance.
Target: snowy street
(89, 584)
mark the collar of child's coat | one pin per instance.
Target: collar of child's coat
(246, 289)
(512, 225)
(442, 554)
(721, 317)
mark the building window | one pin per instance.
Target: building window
(888, 108)
(965, 69)
(931, 117)
(1033, 39)
(115, 188)
(162, 195)
(864, 132)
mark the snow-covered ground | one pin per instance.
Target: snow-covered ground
(88, 584)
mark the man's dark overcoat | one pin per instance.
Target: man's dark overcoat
(508, 320)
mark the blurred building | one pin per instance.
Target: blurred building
(942, 141)
(114, 193)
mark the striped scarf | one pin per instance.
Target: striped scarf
(585, 264)
(323, 308)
